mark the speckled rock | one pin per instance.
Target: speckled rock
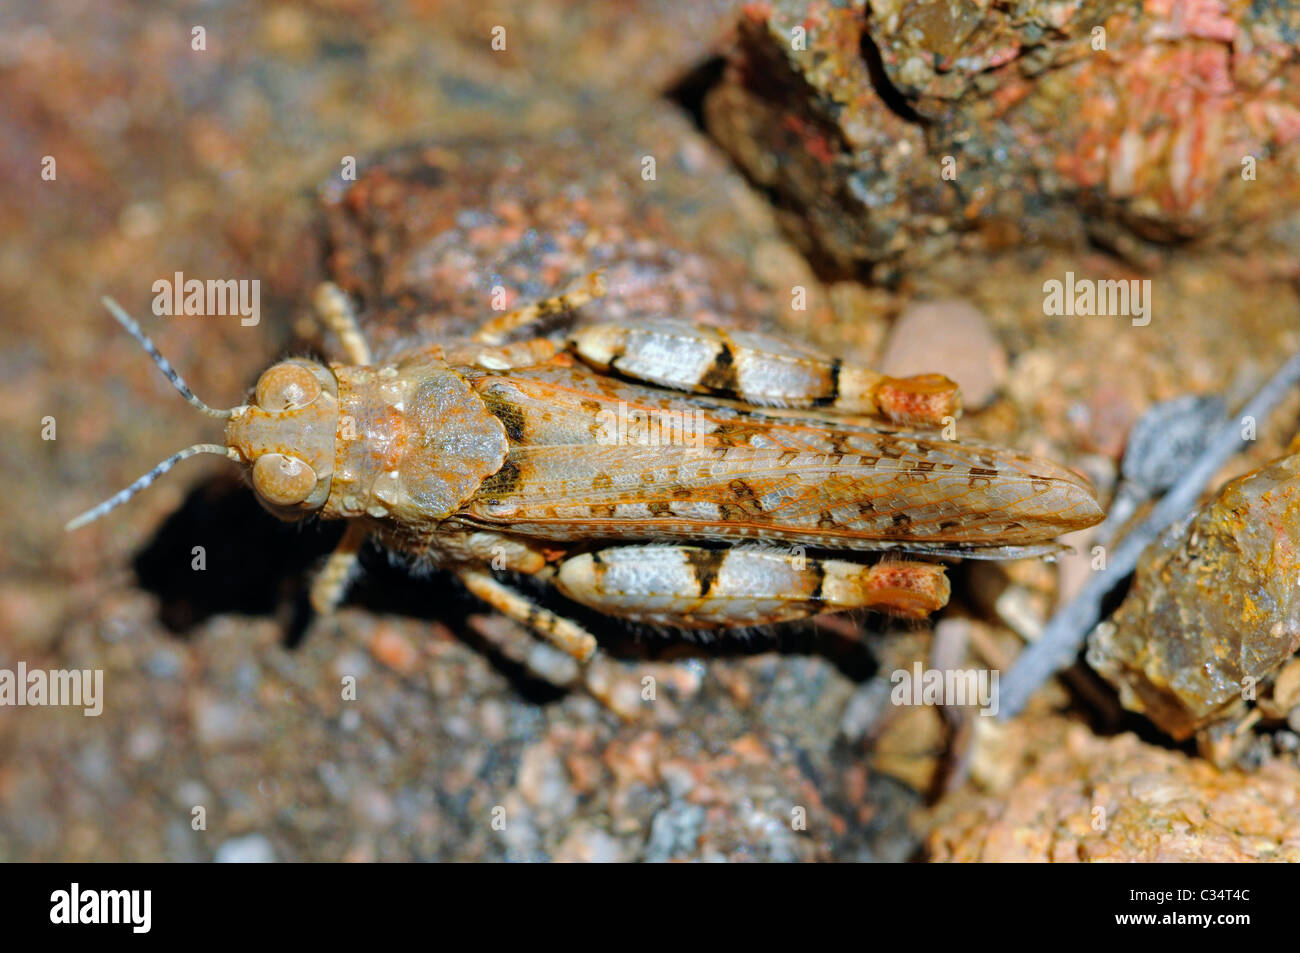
(428, 237)
(1076, 797)
(1214, 610)
(900, 132)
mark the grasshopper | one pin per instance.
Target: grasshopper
(660, 472)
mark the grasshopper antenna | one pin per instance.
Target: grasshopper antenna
(164, 365)
(117, 499)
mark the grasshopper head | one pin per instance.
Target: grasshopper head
(286, 437)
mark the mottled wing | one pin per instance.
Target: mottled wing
(593, 458)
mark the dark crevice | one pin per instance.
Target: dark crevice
(758, 69)
(690, 91)
(889, 93)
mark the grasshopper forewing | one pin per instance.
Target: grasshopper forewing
(662, 473)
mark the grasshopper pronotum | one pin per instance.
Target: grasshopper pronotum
(662, 473)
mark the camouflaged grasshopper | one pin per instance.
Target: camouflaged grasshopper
(547, 455)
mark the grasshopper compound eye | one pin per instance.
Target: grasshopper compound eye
(286, 386)
(281, 479)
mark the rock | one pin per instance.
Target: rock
(427, 234)
(949, 337)
(1075, 797)
(1214, 608)
(900, 132)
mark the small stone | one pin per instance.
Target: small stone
(1286, 687)
(218, 722)
(949, 337)
(144, 743)
(394, 650)
(544, 783)
(675, 832)
(1203, 611)
(373, 806)
(589, 845)
(253, 849)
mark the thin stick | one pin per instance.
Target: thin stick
(1064, 634)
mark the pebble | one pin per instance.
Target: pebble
(191, 793)
(394, 650)
(590, 845)
(543, 781)
(674, 832)
(950, 337)
(144, 743)
(218, 722)
(164, 663)
(373, 805)
(253, 849)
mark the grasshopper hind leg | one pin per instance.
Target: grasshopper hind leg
(761, 370)
(498, 329)
(695, 588)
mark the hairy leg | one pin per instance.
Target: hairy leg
(330, 586)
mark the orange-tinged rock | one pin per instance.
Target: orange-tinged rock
(1076, 797)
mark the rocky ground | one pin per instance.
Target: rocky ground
(524, 168)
